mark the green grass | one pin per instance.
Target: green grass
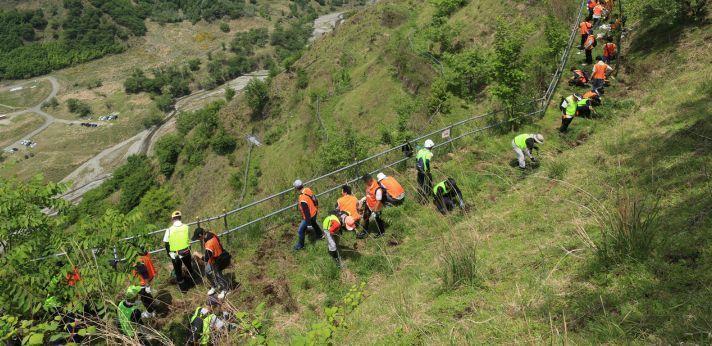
(30, 95)
(11, 130)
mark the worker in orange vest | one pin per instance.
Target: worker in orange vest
(609, 51)
(584, 29)
(588, 47)
(145, 271)
(597, 15)
(594, 96)
(372, 205)
(579, 78)
(216, 259)
(394, 192)
(308, 207)
(599, 72)
(591, 4)
(348, 203)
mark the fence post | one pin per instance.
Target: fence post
(225, 220)
(116, 258)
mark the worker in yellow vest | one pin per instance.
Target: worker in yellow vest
(177, 242)
(523, 144)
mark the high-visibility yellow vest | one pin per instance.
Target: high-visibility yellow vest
(178, 238)
(439, 186)
(205, 334)
(521, 140)
(125, 323)
(328, 220)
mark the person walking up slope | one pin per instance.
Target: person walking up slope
(308, 207)
(422, 165)
(523, 144)
(177, 242)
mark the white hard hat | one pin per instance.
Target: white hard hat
(298, 184)
(380, 176)
(429, 143)
(539, 138)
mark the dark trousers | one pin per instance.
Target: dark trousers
(597, 83)
(216, 277)
(565, 122)
(147, 300)
(392, 201)
(380, 227)
(590, 14)
(446, 203)
(583, 39)
(303, 228)
(425, 183)
(589, 56)
(180, 261)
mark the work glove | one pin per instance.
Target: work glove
(173, 255)
(147, 289)
(147, 315)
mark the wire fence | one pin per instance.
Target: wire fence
(331, 182)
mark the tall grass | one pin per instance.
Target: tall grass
(629, 232)
(459, 266)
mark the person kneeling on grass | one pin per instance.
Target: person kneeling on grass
(332, 231)
(444, 195)
(523, 144)
(372, 205)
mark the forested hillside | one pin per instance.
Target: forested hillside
(61, 34)
(605, 239)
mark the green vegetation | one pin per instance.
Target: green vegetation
(30, 95)
(79, 108)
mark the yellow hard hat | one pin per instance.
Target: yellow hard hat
(176, 214)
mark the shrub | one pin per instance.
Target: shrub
(51, 103)
(235, 182)
(224, 27)
(439, 97)
(223, 144)
(302, 79)
(467, 72)
(167, 150)
(459, 266)
(229, 94)
(79, 108)
(164, 102)
(155, 119)
(134, 178)
(194, 64)
(257, 94)
(444, 8)
(157, 203)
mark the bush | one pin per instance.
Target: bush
(155, 119)
(235, 182)
(134, 178)
(444, 8)
(257, 94)
(224, 27)
(439, 97)
(467, 72)
(302, 79)
(79, 108)
(164, 102)
(223, 144)
(229, 94)
(459, 266)
(168, 150)
(51, 103)
(194, 64)
(157, 203)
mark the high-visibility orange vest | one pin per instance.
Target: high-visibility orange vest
(585, 27)
(393, 188)
(214, 246)
(590, 40)
(609, 49)
(598, 10)
(150, 269)
(581, 76)
(371, 201)
(589, 94)
(306, 197)
(599, 70)
(349, 204)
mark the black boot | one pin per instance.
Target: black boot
(335, 256)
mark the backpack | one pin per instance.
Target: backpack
(222, 261)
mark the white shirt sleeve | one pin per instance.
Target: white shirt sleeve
(166, 235)
(379, 194)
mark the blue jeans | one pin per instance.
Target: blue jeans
(303, 228)
(216, 278)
